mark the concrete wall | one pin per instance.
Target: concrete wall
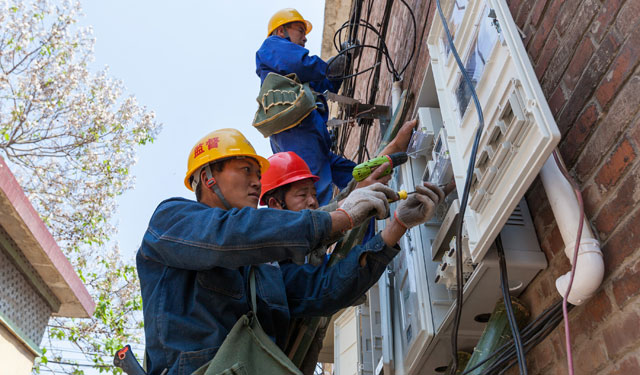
(336, 13)
(15, 358)
(585, 54)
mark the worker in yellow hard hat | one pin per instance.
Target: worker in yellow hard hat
(283, 53)
(286, 20)
(196, 257)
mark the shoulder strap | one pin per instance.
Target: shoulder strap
(252, 290)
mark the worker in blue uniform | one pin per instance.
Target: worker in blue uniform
(283, 53)
(195, 255)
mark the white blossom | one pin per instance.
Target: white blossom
(70, 136)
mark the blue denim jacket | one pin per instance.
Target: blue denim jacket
(310, 139)
(193, 269)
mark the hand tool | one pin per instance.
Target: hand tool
(125, 360)
(364, 170)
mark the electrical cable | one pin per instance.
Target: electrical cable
(529, 344)
(381, 49)
(389, 62)
(465, 194)
(415, 31)
(534, 333)
(537, 330)
(504, 283)
(533, 328)
(574, 261)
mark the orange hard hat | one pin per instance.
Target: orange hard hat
(285, 16)
(284, 168)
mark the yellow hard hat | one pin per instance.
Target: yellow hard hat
(287, 15)
(218, 145)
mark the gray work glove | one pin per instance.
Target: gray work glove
(367, 202)
(420, 206)
(337, 66)
(352, 48)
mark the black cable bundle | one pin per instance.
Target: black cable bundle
(465, 194)
(352, 26)
(532, 334)
(504, 284)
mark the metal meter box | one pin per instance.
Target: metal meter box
(417, 312)
(416, 306)
(355, 342)
(519, 133)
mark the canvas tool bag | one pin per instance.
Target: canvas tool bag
(247, 350)
(283, 102)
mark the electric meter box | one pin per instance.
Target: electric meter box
(429, 125)
(353, 345)
(519, 130)
(417, 312)
(422, 310)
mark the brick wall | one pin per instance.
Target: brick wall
(399, 42)
(585, 54)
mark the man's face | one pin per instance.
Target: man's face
(297, 32)
(239, 182)
(301, 196)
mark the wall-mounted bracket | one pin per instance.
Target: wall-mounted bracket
(357, 110)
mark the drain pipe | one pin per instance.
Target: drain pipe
(590, 265)
(396, 93)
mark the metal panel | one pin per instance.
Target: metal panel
(519, 132)
(20, 304)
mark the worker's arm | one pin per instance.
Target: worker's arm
(323, 290)
(281, 56)
(189, 235)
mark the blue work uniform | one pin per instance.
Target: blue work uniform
(310, 139)
(193, 270)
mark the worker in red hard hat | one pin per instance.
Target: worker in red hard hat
(288, 184)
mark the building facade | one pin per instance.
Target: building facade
(584, 55)
(36, 279)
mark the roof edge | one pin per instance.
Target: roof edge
(60, 276)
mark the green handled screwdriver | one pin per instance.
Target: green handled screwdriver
(363, 170)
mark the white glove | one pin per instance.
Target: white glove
(372, 200)
(420, 206)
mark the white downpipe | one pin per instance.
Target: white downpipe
(396, 92)
(590, 268)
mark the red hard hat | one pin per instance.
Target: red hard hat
(284, 168)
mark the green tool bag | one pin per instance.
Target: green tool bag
(247, 350)
(283, 102)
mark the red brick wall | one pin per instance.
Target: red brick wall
(585, 54)
(399, 42)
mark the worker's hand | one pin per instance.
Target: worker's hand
(353, 49)
(420, 206)
(375, 177)
(369, 201)
(337, 66)
(401, 141)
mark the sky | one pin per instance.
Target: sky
(193, 63)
